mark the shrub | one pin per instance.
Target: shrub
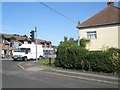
(72, 56)
(99, 61)
(83, 42)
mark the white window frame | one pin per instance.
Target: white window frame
(92, 35)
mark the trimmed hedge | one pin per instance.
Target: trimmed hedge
(72, 56)
(99, 61)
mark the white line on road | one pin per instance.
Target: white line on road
(19, 65)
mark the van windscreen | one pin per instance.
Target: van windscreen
(22, 49)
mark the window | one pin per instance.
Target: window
(0, 40)
(22, 50)
(25, 42)
(12, 41)
(91, 35)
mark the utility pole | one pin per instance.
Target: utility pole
(36, 42)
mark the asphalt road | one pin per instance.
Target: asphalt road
(15, 77)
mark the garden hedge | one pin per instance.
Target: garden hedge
(71, 56)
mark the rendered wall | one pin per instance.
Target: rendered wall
(107, 36)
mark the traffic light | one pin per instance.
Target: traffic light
(32, 35)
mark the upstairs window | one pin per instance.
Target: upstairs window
(91, 35)
(12, 41)
(1, 40)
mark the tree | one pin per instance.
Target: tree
(16, 34)
(20, 35)
(65, 38)
(25, 36)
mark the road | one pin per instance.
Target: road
(15, 77)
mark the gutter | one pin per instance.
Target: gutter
(97, 25)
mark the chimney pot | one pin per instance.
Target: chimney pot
(110, 3)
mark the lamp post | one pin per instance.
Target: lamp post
(36, 42)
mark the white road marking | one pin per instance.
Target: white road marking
(19, 65)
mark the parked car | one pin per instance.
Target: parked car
(47, 56)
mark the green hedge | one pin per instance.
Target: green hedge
(99, 61)
(72, 56)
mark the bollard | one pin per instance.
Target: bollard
(49, 61)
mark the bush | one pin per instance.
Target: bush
(99, 61)
(72, 56)
(83, 42)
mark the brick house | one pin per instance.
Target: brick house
(8, 43)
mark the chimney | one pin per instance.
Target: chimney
(110, 3)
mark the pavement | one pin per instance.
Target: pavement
(6, 59)
(97, 77)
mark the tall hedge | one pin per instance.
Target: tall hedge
(99, 61)
(72, 56)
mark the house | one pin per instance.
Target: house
(8, 43)
(102, 29)
(47, 46)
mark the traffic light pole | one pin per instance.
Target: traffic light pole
(36, 42)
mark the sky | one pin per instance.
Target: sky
(21, 17)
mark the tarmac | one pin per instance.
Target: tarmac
(90, 76)
(97, 77)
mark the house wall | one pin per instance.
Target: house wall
(107, 36)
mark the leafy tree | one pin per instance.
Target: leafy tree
(65, 39)
(25, 36)
(20, 35)
(16, 34)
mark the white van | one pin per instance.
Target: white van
(28, 51)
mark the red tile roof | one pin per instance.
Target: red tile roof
(6, 35)
(108, 15)
(21, 38)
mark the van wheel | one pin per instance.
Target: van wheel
(25, 59)
(14, 59)
(39, 58)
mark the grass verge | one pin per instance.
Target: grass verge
(46, 63)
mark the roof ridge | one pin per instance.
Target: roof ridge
(101, 17)
(97, 13)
